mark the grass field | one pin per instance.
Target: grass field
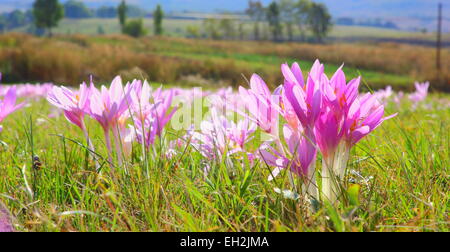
(402, 170)
(397, 178)
(70, 59)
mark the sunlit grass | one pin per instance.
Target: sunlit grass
(405, 161)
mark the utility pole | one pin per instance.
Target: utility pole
(439, 40)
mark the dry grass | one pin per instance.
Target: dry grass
(71, 59)
(415, 61)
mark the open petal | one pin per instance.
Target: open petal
(289, 75)
(258, 85)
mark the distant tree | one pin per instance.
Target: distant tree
(227, 27)
(29, 17)
(100, 30)
(135, 28)
(2, 24)
(212, 28)
(158, 16)
(390, 25)
(106, 12)
(122, 13)
(192, 31)
(377, 22)
(273, 18)
(256, 12)
(32, 29)
(288, 16)
(47, 14)
(241, 30)
(76, 9)
(345, 21)
(319, 20)
(15, 19)
(302, 8)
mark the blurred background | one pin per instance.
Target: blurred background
(221, 43)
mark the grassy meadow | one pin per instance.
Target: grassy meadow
(71, 59)
(397, 179)
(401, 170)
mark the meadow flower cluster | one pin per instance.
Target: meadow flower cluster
(322, 114)
(310, 117)
(416, 98)
(302, 118)
(112, 107)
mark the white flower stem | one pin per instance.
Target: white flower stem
(90, 145)
(118, 144)
(291, 177)
(333, 171)
(108, 146)
(311, 184)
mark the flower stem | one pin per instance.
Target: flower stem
(90, 145)
(291, 177)
(118, 144)
(86, 135)
(108, 146)
(311, 184)
(333, 171)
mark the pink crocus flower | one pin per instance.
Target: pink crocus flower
(5, 220)
(146, 130)
(301, 107)
(421, 92)
(328, 132)
(298, 158)
(35, 91)
(74, 104)
(150, 118)
(398, 98)
(330, 116)
(107, 107)
(128, 136)
(239, 133)
(304, 98)
(163, 114)
(140, 99)
(345, 119)
(143, 112)
(218, 137)
(383, 95)
(338, 95)
(364, 116)
(176, 146)
(261, 104)
(8, 105)
(211, 140)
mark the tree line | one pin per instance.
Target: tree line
(72, 9)
(135, 27)
(287, 16)
(280, 20)
(46, 14)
